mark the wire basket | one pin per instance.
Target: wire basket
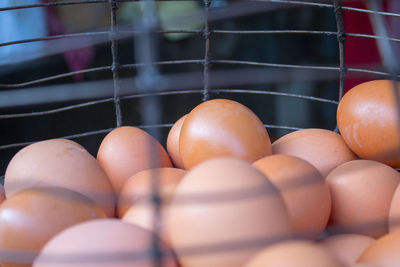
(134, 87)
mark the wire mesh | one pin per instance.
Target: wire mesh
(148, 85)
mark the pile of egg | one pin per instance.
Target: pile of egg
(225, 195)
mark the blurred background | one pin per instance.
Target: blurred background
(88, 52)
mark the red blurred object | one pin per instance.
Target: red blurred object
(363, 52)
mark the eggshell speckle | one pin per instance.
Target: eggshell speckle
(322, 148)
(173, 143)
(222, 128)
(60, 163)
(384, 252)
(348, 247)
(105, 242)
(293, 253)
(139, 187)
(224, 211)
(367, 118)
(362, 191)
(304, 191)
(127, 150)
(394, 214)
(29, 218)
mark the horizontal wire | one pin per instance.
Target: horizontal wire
(55, 77)
(371, 11)
(62, 3)
(193, 61)
(103, 131)
(126, 33)
(106, 100)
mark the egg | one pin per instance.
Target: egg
(222, 128)
(347, 247)
(293, 253)
(29, 218)
(322, 148)
(367, 118)
(61, 163)
(394, 213)
(224, 211)
(128, 150)
(102, 243)
(361, 191)
(173, 143)
(2, 195)
(139, 187)
(384, 252)
(304, 191)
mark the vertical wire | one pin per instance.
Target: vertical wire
(341, 38)
(115, 61)
(206, 69)
(149, 79)
(388, 55)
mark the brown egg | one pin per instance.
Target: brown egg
(102, 243)
(128, 150)
(322, 148)
(173, 143)
(224, 211)
(29, 218)
(222, 128)
(361, 191)
(293, 253)
(63, 164)
(394, 213)
(367, 117)
(348, 247)
(384, 252)
(139, 187)
(2, 195)
(304, 191)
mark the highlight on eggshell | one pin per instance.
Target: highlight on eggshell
(59, 163)
(139, 187)
(303, 190)
(362, 192)
(293, 253)
(103, 243)
(222, 128)
(29, 218)
(322, 148)
(173, 143)
(128, 150)
(384, 252)
(367, 118)
(224, 211)
(347, 248)
(394, 213)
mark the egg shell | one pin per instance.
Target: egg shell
(128, 150)
(304, 191)
(102, 243)
(347, 247)
(293, 253)
(29, 218)
(224, 211)
(367, 118)
(384, 252)
(173, 143)
(361, 191)
(322, 148)
(2, 194)
(222, 128)
(394, 213)
(60, 163)
(139, 187)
